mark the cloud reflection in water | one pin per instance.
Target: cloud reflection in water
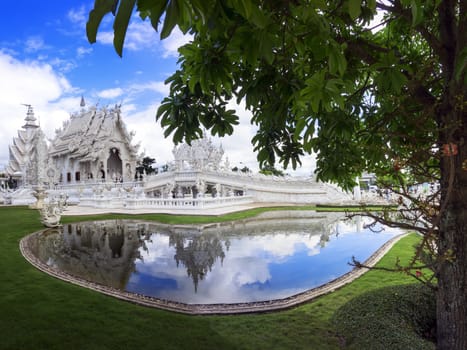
(272, 256)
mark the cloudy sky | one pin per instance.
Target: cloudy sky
(47, 62)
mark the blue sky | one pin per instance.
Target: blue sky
(46, 61)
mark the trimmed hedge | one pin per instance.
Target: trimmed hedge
(397, 317)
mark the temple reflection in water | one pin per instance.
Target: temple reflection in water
(225, 262)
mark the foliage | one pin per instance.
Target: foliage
(270, 170)
(316, 77)
(396, 318)
(313, 74)
(245, 169)
(41, 312)
(145, 167)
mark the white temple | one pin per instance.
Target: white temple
(92, 161)
(93, 144)
(27, 159)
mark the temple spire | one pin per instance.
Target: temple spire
(30, 118)
(82, 104)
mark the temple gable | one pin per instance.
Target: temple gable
(94, 144)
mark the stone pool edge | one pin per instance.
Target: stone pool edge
(210, 309)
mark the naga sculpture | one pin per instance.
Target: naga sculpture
(51, 215)
(51, 212)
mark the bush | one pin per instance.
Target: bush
(396, 317)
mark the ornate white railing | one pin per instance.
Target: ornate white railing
(168, 203)
(86, 184)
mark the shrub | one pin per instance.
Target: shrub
(396, 317)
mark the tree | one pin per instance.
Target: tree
(145, 167)
(271, 170)
(245, 169)
(389, 99)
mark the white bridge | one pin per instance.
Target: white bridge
(194, 190)
(196, 179)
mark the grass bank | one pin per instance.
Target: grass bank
(40, 312)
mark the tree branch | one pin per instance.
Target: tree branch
(398, 10)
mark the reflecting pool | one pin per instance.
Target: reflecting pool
(272, 256)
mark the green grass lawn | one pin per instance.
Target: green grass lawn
(40, 312)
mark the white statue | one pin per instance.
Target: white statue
(51, 214)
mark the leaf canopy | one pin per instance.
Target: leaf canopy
(315, 75)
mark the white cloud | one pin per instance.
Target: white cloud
(110, 93)
(62, 65)
(176, 40)
(34, 44)
(82, 51)
(142, 36)
(34, 83)
(78, 16)
(248, 261)
(139, 36)
(156, 86)
(148, 133)
(49, 92)
(105, 37)
(237, 147)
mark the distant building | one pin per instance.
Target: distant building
(368, 181)
(92, 144)
(93, 161)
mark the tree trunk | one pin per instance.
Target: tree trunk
(452, 243)
(452, 286)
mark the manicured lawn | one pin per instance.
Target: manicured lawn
(40, 312)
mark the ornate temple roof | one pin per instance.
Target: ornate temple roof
(84, 134)
(201, 154)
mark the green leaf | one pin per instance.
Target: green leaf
(417, 12)
(332, 62)
(301, 123)
(319, 4)
(337, 62)
(398, 80)
(171, 18)
(122, 19)
(247, 7)
(266, 46)
(258, 18)
(101, 8)
(155, 8)
(371, 5)
(355, 8)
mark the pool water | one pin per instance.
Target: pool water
(272, 256)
